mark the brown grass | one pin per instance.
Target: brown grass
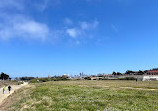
(8, 104)
(6, 83)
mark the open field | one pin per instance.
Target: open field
(86, 95)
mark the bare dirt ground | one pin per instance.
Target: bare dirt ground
(14, 88)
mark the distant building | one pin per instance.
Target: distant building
(152, 72)
(96, 78)
(93, 78)
(147, 75)
(141, 77)
(65, 75)
(150, 78)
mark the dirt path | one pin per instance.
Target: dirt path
(14, 88)
(138, 88)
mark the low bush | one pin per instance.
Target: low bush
(36, 80)
(128, 78)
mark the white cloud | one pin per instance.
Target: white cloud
(82, 29)
(32, 29)
(22, 27)
(72, 32)
(15, 25)
(84, 25)
(88, 26)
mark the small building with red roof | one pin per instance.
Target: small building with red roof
(152, 72)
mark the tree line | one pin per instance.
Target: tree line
(130, 72)
(4, 76)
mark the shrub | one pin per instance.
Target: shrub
(48, 79)
(128, 78)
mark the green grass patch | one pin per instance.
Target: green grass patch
(85, 95)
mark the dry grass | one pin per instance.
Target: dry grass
(6, 83)
(112, 84)
(8, 104)
(87, 95)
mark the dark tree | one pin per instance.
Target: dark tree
(26, 78)
(114, 73)
(140, 72)
(129, 72)
(4, 76)
(118, 73)
(87, 78)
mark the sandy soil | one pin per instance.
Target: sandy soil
(14, 88)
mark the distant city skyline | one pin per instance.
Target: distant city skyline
(53, 37)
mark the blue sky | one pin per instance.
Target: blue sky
(41, 37)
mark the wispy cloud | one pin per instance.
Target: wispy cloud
(17, 25)
(88, 26)
(32, 29)
(11, 4)
(82, 30)
(114, 28)
(23, 27)
(42, 5)
(73, 32)
(68, 21)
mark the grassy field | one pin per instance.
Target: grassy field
(87, 95)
